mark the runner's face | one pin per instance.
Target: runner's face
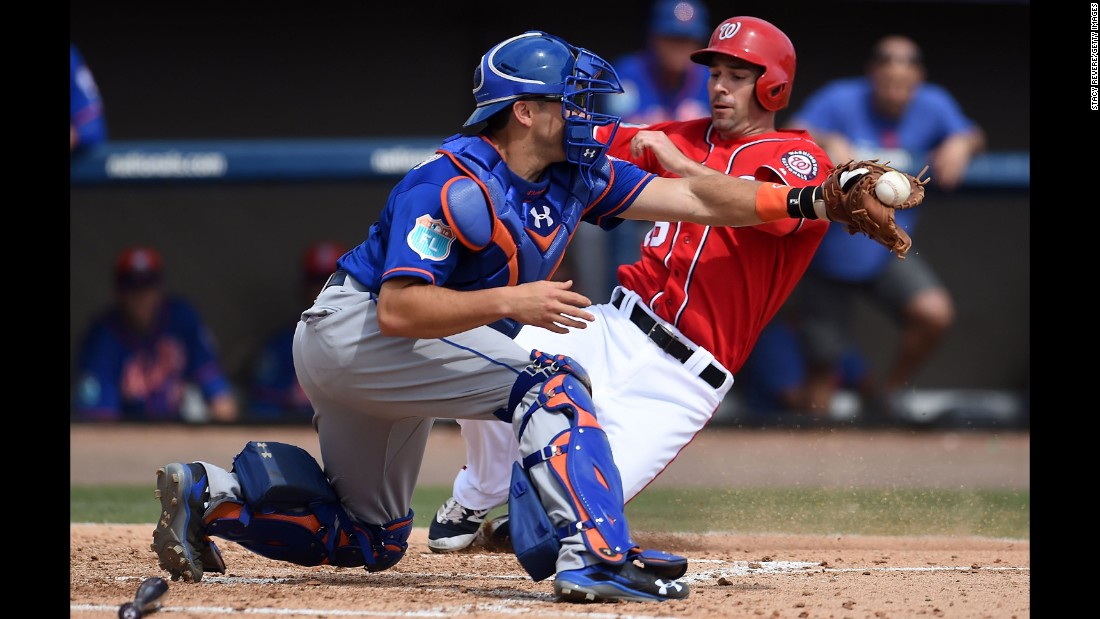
(733, 104)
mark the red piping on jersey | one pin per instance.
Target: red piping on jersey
(706, 233)
(691, 276)
(736, 151)
(671, 246)
(500, 236)
(431, 277)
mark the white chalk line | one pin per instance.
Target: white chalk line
(454, 611)
(510, 603)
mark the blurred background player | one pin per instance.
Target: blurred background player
(660, 83)
(149, 357)
(87, 126)
(771, 386)
(275, 394)
(892, 114)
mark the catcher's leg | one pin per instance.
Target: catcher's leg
(568, 489)
(289, 512)
(183, 548)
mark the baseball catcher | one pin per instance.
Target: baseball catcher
(848, 197)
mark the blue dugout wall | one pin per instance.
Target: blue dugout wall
(232, 219)
(352, 159)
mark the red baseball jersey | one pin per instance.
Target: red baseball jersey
(720, 285)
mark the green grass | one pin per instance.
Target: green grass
(985, 513)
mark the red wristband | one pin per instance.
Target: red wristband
(771, 202)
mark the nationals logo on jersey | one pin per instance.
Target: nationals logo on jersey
(431, 238)
(802, 163)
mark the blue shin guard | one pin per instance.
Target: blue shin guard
(581, 461)
(291, 513)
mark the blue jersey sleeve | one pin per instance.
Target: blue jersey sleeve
(421, 243)
(624, 182)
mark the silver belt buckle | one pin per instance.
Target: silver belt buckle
(668, 337)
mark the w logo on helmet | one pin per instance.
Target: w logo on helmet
(728, 30)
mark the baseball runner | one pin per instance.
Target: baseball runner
(662, 353)
(417, 323)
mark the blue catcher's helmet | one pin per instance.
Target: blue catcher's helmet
(537, 64)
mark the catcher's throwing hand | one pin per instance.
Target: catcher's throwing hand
(849, 196)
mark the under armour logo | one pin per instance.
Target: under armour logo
(538, 218)
(589, 153)
(728, 30)
(664, 586)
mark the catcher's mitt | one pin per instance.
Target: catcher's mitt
(849, 195)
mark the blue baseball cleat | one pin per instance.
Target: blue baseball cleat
(180, 539)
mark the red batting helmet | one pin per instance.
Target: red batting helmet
(759, 42)
(137, 267)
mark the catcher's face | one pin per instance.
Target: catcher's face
(544, 128)
(734, 110)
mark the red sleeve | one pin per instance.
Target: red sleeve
(620, 146)
(799, 163)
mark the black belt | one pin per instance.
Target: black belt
(336, 279)
(666, 341)
(343, 278)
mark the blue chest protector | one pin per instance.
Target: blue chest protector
(512, 238)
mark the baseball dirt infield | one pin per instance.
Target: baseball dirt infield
(731, 574)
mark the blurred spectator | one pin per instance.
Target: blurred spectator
(660, 83)
(149, 357)
(772, 383)
(275, 393)
(86, 124)
(891, 114)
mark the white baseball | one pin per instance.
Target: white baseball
(892, 188)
